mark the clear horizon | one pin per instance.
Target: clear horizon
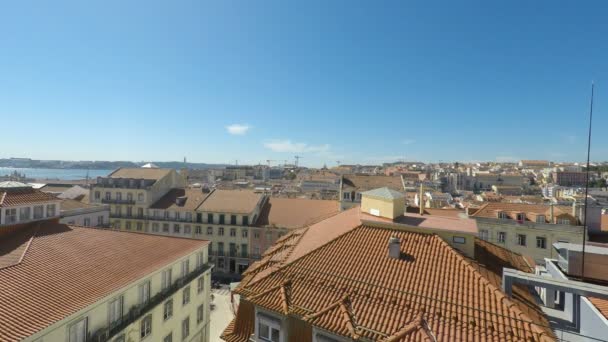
(219, 82)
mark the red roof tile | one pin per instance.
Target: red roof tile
(21, 196)
(66, 268)
(295, 212)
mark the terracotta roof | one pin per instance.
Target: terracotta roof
(66, 269)
(21, 196)
(384, 193)
(450, 220)
(531, 211)
(295, 212)
(601, 305)
(231, 201)
(369, 182)
(140, 173)
(347, 284)
(51, 188)
(194, 198)
(70, 204)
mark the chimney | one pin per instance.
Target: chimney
(181, 200)
(394, 244)
(421, 200)
(551, 213)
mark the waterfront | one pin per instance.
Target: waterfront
(54, 174)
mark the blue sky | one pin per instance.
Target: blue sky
(358, 82)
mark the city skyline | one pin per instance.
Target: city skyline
(329, 82)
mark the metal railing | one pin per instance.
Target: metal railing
(117, 201)
(138, 311)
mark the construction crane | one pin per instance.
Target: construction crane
(297, 159)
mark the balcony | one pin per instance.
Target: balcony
(138, 311)
(117, 201)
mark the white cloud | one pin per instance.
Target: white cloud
(237, 129)
(408, 141)
(288, 146)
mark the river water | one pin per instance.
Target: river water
(55, 174)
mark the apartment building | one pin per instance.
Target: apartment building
(528, 229)
(347, 278)
(83, 214)
(352, 185)
(66, 283)
(20, 203)
(570, 178)
(130, 191)
(534, 164)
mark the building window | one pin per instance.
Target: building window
(220, 231)
(268, 236)
(563, 221)
(108, 196)
(222, 218)
(244, 249)
(50, 210)
(115, 309)
(521, 217)
(200, 313)
(521, 240)
(220, 263)
(358, 196)
(38, 212)
(24, 214)
(176, 228)
(232, 231)
(540, 219)
(185, 267)
(502, 215)
(129, 211)
(166, 278)
(130, 197)
(245, 220)
(502, 237)
(346, 196)
(97, 195)
(119, 196)
(187, 229)
(244, 232)
(100, 220)
(176, 215)
(165, 227)
(146, 326)
(168, 338)
(140, 212)
(186, 295)
(541, 242)
(140, 226)
(269, 329)
(155, 227)
(87, 222)
(168, 309)
(200, 284)
(78, 331)
(128, 225)
(156, 213)
(209, 230)
(185, 328)
(189, 217)
(200, 259)
(11, 215)
(166, 214)
(199, 230)
(256, 251)
(144, 292)
(233, 220)
(459, 239)
(140, 197)
(256, 234)
(484, 234)
(209, 218)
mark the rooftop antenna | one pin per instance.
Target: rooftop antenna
(587, 182)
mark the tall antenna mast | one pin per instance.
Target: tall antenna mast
(587, 183)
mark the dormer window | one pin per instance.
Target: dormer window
(541, 219)
(521, 217)
(269, 328)
(502, 215)
(563, 221)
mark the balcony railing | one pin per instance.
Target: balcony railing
(117, 201)
(138, 311)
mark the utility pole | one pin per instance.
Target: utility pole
(587, 183)
(297, 160)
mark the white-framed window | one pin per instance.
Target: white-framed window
(78, 330)
(198, 230)
(244, 233)
(358, 196)
(130, 197)
(100, 220)
(459, 239)
(10, 215)
(269, 328)
(541, 242)
(540, 219)
(87, 221)
(115, 310)
(502, 215)
(502, 237)
(50, 210)
(256, 234)
(139, 226)
(346, 196)
(209, 230)
(484, 234)
(168, 309)
(166, 278)
(521, 240)
(187, 229)
(38, 212)
(155, 227)
(140, 197)
(144, 292)
(168, 338)
(145, 326)
(186, 295)
(200, 313)
(128, 225)
(177, 215)
(108, 195)
(165, 227)
(220, 231)
(185, 267)
(200, 259)
(176, 228)
(563, 221)
(24, 213)
(189, 217)
(200, 284)
(185, 328)
(232, 232)
(119, 196)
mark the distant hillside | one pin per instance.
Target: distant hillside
(96, 165)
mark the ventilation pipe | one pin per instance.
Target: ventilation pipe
(394, 250)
